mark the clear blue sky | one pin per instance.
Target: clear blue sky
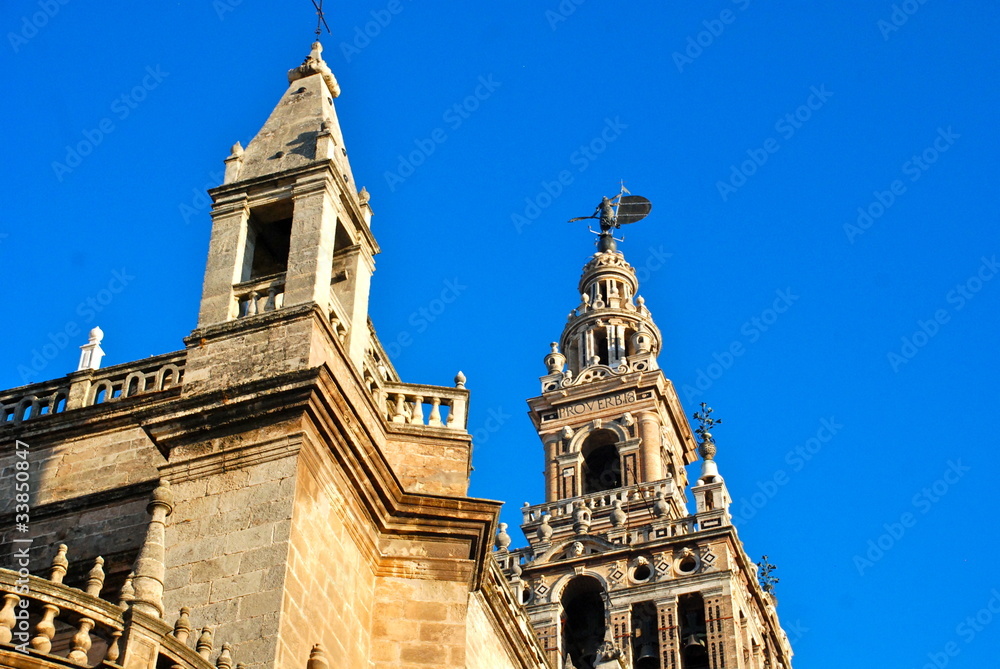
(758, 131)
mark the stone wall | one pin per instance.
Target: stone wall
(89, 493)
(330, 583)
(228, 537)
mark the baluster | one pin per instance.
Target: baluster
(127, 593)
(182, 628)
(204, 646)
(225, 659)
(7, 619)
(95, 579)
(46, 629)
(435, 418)
(113, 650)
(269, 305)
(81, 642)
(317, 658)
(59, 565)
(417, 417)
(252, 303)
(399, 416)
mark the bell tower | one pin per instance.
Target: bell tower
(290, 236)
(618, 571)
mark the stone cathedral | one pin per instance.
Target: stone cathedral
(274, 496)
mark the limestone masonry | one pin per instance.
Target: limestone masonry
(275, 496)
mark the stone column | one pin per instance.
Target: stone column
(720, 631)
(310, 254)
(649, 430)
(150, 567)
(551, 469)
(230, 218)
(621, 632)
(668, 628)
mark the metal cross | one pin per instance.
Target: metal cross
(320, 19)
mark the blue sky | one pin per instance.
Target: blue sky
(821, 254)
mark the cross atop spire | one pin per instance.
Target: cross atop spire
(320, 19)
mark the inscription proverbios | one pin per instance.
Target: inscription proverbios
(618, 400)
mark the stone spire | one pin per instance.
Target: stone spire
(302, 128)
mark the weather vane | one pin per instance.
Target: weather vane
(706, 422)
(613, 212)
(320, 19)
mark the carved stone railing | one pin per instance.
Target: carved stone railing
(430, 406)
(93, 386)
(260, 295)
(632, 496)
(45, 623)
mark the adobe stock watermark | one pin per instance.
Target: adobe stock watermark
(580, 159)
(200, 199)
(421, 319)
(87, 310)
(967, 631)
(121, 108)
(454, 116)
(752, 329)
(223, 7)
(900, 14)
(495, 420)
(957, 298)
(20, 629)
(696, 44)
(923, 502)
(912, 169)
(796, 458)
(32, 23)
(564, 10)
(363, 35)
(786, 126)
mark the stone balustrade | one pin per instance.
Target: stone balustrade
(260, 295)
(631, 496)
(430, 406)
(45, 623)
(92, 386)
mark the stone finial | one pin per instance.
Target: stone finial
(234, 164)
(503, 539)
(236, 151)
(225, 659)
(544, 531)
(317, 658)
(149, 566)
(95, 578)
(660, 506)
(581, 519)
(91, 353)
(59, 565)
(204, 646)
(460, 380)
(618, 515)
(314, 64)
(128, 591)
(364, 196)
(182, 628)
(554, 360)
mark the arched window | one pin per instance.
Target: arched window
(694, 652)
(583, 620)
(602, 469)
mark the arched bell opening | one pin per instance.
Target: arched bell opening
(583, 620)
(602, 468)
(645, 645)
(694, 649)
